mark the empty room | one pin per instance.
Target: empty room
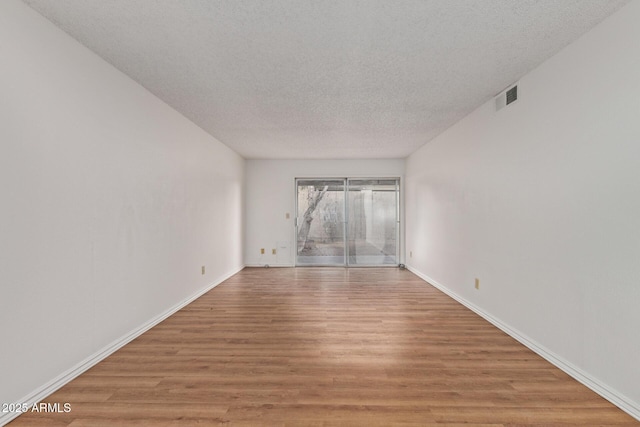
(296, 212)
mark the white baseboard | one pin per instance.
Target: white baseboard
(62, 379)
(270, 265)
(613, 396)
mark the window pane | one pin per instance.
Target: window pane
(373, 222)
(320, 239)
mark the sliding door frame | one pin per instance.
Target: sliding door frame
(398, 222)
(344, 223)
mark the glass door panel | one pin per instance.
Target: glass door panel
(372, 227)
(320, 222)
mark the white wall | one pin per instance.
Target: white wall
(110, 204)
(271, 194)
(541, 202)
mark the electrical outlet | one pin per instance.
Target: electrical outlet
(203, 269)
(410, 254)
(262, 251)
(477, 283)
(273, 251)
(287, 216)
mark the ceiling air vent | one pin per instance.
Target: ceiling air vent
(512, 95)
(507, 97)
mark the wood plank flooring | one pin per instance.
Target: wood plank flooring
(324, 347)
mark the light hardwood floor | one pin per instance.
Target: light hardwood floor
(322, 347)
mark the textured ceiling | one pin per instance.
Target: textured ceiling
(325, 79)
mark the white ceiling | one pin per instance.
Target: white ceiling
(325, 78)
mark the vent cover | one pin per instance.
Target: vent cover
(507, 97)
(512, 95)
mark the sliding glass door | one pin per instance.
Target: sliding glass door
(347, 221)
(372, 231)
(320, 222)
